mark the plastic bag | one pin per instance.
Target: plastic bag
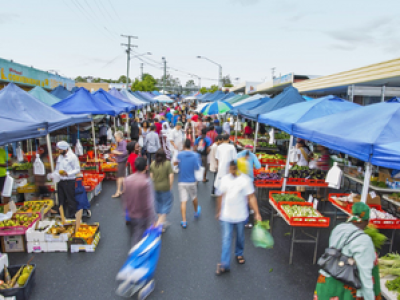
(293, 157)
(38, 166)
(141, 141)
(20, 155)
(8, 186)
(199, 174)
(261, 236)
(272, 136)
(78, 148)
(141, 264)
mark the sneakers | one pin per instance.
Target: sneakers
(198, 213)
(146, 290)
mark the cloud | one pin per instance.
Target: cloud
(7, 17)
(245, 2)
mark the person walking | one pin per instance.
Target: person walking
(353, 242)
(226, 127)
(135, 130)
(68, 167)
(217, 127)
(163, 178)
(188, 162)
(176, 139)
(251, 160)
(213, 161)
(121, 155)
(202, 147)
(103, 133)
(144, 130)
(133, 152)
(237, 192)
(138, 200)
(225, 154)
(212, 134)
(152, 144)
(165, 138)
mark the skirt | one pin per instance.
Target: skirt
(121, 173)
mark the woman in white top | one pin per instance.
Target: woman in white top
(166, 132)
(143, 131)
(302, 154)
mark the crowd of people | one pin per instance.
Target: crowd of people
(189, 144)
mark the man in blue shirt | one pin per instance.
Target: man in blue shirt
(202, 147)
(252, 160)
(168, 115)
(188, 162)
(177, 117)
(217, 127)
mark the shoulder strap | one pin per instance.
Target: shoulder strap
(348, 240)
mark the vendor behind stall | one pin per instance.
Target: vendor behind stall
(68, 167)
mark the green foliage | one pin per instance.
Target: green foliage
(147, 84)
(213, 88)
(203, 90)
(226, 81)
(80, 79)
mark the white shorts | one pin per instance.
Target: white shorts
(187, 191)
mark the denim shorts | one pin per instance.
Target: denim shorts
(163, 202)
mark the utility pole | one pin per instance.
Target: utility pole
(165, 73)
(273, 72)
(220, 77)
(128, 54)
(141, 71)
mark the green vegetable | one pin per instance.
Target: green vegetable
(394, 285)
(378, 239)
(270, 270)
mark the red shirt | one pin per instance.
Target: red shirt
(248, 130)
(212, 135)
(131, 159)
(158, 127)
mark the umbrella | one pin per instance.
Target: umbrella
(164, 99)
(218, 107)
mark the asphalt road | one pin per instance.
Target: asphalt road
(187, 264)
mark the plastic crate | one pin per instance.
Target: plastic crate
(296, 181)
(316, 182)
(20, 229)
(21, 293)
(303, 221)
(268, 183)
(338, 195)
(271, 198)
(383, 223)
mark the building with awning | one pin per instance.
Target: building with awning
(278, 84)
(366, 85)
(246, 87)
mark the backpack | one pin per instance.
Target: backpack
(202, 146)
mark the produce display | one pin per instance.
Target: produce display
(22, 166)
(287, 198)
(390, 265)
(305, 172)
(31, 206)
(380, 184)
(86, 233)
(378, 239)
(270, 157)
(18, 280)
(395, 197)
(109, 166)
(300, 211)
(268, 176)
(382, 215)
(18, 219)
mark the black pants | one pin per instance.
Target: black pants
(150, 158)
(103, 140)
(66, 197)
(213, 187)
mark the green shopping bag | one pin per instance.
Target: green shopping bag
(261, 236)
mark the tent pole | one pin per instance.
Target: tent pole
(51, 163)
(236, 128)
(255, 139)
(94, 146)
(115, 125)
(367, 178)
(287, 164)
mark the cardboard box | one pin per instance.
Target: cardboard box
(76, 248)
(33, 235)
(376, 200)
(385, 174)
(62, 237)
(13, 243)
(57, 247)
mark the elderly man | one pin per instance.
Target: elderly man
(67, 166)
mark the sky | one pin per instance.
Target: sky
(246, 37)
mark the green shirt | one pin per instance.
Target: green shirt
(161, 176)
(3, 160)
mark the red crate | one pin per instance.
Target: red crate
(338, 195)
(303, 221)
(18, 230)
(271, 193)
(296, 181)
(316, 182)
(268, 183)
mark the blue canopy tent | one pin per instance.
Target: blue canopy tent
(61, 92)
(140, 97)
(127, 96)
(289, 96)
(114, 92)
(40, 94)
(307, 98)
(248, 105)
(357, 132)
(102, 95)
(144, 96)
(14, 131)
(285, 118)
(214, 97)
(387, 155)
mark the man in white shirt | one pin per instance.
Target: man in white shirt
(68, 167)
(232, 210)
(213, 160)
(176, 139)
(224, 155)
(226, 128)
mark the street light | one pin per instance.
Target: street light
(220, 69)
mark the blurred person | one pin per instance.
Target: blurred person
(138, 200)
(190, 135)
(176, 140)
(135, 131)
(188, 162)
(144, 131)
(190, 124)
(152, 144)
(226, 127)
(158, 126)
(168, 115)
(184, 120)
(163, 179)
(248, 131)
(212, 134)
(202, 147)
(4, 163)
(121, 156)
(133, 149)
(103, 133)
(252, 161)
(224, 155)
(237, 193)
(213, 161)
(217, 127)
(302, 154)
(165, 138)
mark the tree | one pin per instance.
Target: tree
(226, 81)
(190, 83)
(203, 90)
(169, 81)
(148, 84)
(80, 79)
(213, 88)
(122, 79)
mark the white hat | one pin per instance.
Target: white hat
(62, 145)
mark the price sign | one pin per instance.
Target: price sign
(372, 194)
(315, 205)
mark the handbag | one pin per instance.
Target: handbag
(340, 266)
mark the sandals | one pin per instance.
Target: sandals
(240, 260)
(116, 195)
(221, 270)
(183, 224)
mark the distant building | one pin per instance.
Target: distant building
(93, 87)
